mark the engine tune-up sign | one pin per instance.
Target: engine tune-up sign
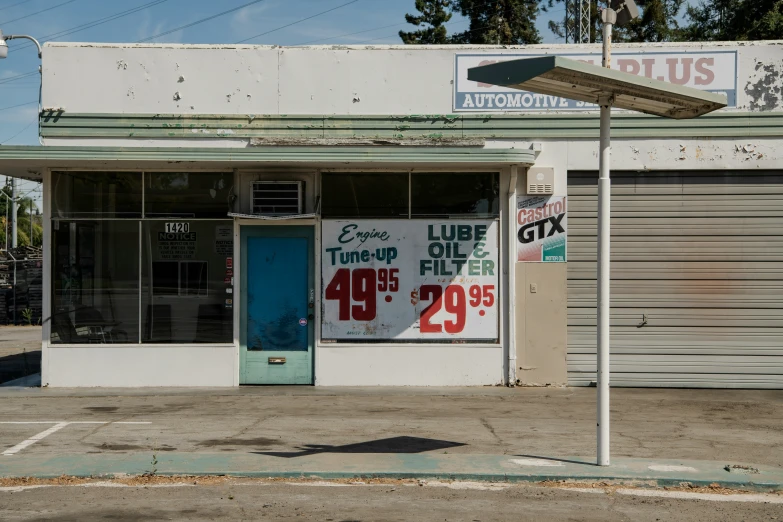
(410, 279)
(542, 228)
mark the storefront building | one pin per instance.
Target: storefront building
(352, 216)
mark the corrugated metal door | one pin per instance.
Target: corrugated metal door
(697, 279)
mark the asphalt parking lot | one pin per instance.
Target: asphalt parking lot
(735, 425)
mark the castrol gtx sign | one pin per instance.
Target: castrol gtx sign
(713, 71)
(542, 225)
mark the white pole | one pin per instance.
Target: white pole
(512, 277)
(13, 213)
(604, 235)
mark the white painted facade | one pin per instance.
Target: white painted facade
(253, 81)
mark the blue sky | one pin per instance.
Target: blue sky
(350, 22)
(376, 21)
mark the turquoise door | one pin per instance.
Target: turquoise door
(277, 305)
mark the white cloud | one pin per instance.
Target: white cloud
(251, 16)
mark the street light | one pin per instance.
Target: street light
(4, 45)
(553, 75)
(4, 54)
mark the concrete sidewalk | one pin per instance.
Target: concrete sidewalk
(490, 468)
(466, 433)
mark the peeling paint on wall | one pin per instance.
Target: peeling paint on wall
(764, 88)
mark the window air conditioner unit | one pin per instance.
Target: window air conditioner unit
(540, 180)
(278, 198)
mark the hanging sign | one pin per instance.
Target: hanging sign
(410, 279)
(712, 71)
(542, 228)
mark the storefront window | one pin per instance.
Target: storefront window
(95, 286)
(361, 195)
(187, 194)
(96, 195)
(454, 194)
(120, 277)
(187, 287)
(418, 195)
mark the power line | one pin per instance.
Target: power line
(19, 105)
(14, 5)
(17, 77)
(78, 28)
(20, 132)
(201, 21)
(350, 34)
(298, 21)
(38, 12)
(99, 21)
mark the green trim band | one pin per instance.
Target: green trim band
(44, 157)
(453, 126)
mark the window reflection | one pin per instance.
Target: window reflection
(454, 194)
(95, 288)
(188, 194)
(96, 194)
(187, 289)
(364, 195)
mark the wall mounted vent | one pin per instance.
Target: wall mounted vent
(540, 180)
(277, 198)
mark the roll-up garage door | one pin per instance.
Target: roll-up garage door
(697, 279)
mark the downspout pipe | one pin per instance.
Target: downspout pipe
(512, 279)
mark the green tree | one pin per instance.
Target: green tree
(26, 209)
(657, 23)
(503, 22)
(434, 13)
(734, 20)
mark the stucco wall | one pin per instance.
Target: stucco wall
(191, 79)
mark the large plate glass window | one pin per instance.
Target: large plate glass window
(183, 290)
(428, 271)
(95, 283)
(454, 194)
(96, 195)
(187, 194)
(364, 195)
(185, 286)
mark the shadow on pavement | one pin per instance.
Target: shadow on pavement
(390, 445)
(19, 365)
(553, 459)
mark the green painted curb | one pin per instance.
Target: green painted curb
(463, 467)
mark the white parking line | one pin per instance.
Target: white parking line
(35, 438)
(713, 497)
(665, 467)
(58, 425)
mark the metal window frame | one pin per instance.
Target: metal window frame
(49, 236)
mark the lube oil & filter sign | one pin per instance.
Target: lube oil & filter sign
(410, 279)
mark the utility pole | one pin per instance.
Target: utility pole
(584, 21)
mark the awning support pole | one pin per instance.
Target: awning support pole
(604, 237)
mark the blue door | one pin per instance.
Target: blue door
(277, 305)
